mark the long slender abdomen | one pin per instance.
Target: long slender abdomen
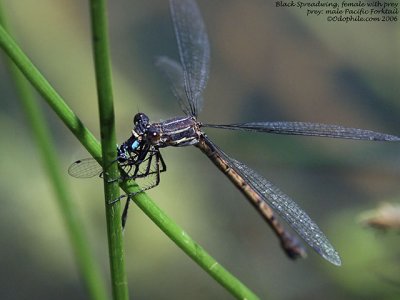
(290, 244)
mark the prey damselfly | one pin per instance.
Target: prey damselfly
(140, 155)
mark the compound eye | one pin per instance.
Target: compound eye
(137, 118)
(140, 119)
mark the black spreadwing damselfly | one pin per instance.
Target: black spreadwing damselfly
(140, 155)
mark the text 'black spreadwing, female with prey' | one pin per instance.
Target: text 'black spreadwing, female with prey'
(140, 155)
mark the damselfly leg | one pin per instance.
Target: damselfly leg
(151, 174)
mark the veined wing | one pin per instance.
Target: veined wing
(174, 73)
(194, 50)
(85, 168)
(310, 129)
(286, 208)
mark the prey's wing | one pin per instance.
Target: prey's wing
(85, 168)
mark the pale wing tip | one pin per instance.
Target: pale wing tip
(333, 258)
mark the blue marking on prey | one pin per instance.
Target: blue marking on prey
(134, 145)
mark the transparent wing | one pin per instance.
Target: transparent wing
(194, 50)
(286, 208)
(85, 168)
(174, 72)
(310, 129)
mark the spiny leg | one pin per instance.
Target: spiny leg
(159, 160)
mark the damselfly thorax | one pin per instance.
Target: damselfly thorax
(177, 132)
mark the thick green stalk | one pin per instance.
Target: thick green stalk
(177, 234)
(90, 271)
(109, 153)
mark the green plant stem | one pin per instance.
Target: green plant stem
(85, 259)
(109, 153)
(188, 245)
(177, 234)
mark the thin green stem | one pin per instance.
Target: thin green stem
(187, 244)
(109, 153)
(49, 94)
(177, 234)
(85, 259)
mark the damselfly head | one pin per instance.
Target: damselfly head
(141, 123)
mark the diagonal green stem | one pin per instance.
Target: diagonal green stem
(85, 259)
(109, 153)
(177, 234)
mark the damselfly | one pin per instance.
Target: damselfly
(140, 154)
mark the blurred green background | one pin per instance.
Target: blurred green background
(266, 64)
